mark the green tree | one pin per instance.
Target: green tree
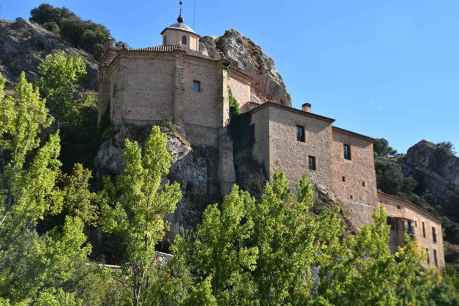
(83, 34)
(383, 149)
(234, 108)
(60, 76)
(31, 263)
(135, 205)
(256, 252)
(75, 112)
(366, 272)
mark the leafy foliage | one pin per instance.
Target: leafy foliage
(383, 149)
(60, 81)
(391, 179)
(31, 263)
(135, 205)
(234, 109)
(60, 75)
(276, 251)
(83, 34)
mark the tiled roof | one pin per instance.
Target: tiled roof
(181, 27)
(161, 48)
(155, 49)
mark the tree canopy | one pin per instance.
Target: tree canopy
(84, 34)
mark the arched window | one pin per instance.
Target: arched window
(184, 40)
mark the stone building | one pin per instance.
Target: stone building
(406, 218)
(178, 83)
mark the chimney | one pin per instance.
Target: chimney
(306, 107)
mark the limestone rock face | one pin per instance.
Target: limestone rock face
(24, 45)
(244, 54)
(435, 167)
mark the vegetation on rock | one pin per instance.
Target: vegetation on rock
(83, 34)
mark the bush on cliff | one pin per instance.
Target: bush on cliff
(83, 34)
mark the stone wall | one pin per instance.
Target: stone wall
(240, 89)
(142, 88)
(260, 151)
(291, 156)
(399, 208)
(202, 108)
(354, 181)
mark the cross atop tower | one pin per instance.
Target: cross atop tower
(180, 18)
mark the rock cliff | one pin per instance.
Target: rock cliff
(24, 45)
(244, 54)
(438, 164)
(435, 168)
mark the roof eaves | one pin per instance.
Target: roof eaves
(409, 204)
(293, 110)
(344, 131)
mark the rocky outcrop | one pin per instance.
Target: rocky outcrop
(247, 56)
(435, 169)
(437, 161)
(24, 45)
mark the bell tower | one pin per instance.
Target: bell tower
(180, 34)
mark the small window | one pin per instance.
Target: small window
(196, 86)
(364, 184)
(343, 178)
(300, 135)
(410, 230)
(434, 235)
(165, 40)
(351, 197)
(423, 230)
(427, 256)
(435, 258)
(312, 163)
(347, 151)
(184, 40)
(115, 91)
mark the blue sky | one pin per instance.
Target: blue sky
(383, 68)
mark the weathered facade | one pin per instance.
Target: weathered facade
(299, 143)
(406, 218)
(177, 83)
